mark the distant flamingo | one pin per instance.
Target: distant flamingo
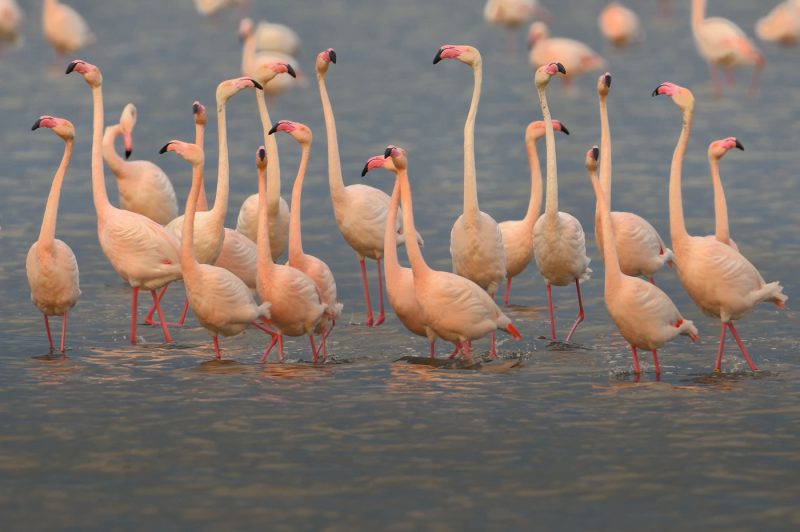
(221, 301)
(254, 60)
(141, 251)
(716, 150)
(276, 37)
(559, 244)
(51, 266)
(723, 44)
(619, 25)
(476, 244)
(213, 7)
(360, 210)
(645, 316)
(518, 234)
(782, 24)
(295, 305)
(640, 249)
(65, 29)
(576, 56)
(722, 282)
(455, 308)
(511, 14)
(11, 18)
(315, 268)
(144, 188)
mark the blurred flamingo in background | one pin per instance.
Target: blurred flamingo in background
(619, 25)
(782, 24)
(211, 8)
(576, 56)
(274, 37)
(11, 18)
(65, 29)
(511, 14)
(716, 150)
(254, 60)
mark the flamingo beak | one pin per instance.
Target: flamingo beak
(165, 148)
(332, 56)
(739, 145)
(564, 129)
(607, 80)
(561, 68)
(438, 56)
(36, 125)
(290, 70)
(596, 153)
(365, 170)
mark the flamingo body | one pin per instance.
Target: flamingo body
(53, 278)
(247, 223)
(274, 37)
(619, 25)
(782, 24)
(208, 235)
(238, 255)
(11, 18)
(476, 247)
(64, 28)
(560, 250)
(640, 249)
(511, 13)
(576, 56)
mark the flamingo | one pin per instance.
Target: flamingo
(476, 243)
(511, 14)
(253, 60)
(716, 150)
(782, 24)
(619, 25)
(213, 7)
(454, 307)
(141, 251)
(576, 56)
(271, 36)
(222, 303)
(11, 18)
(518, 234)
(559, 244)
(65, 29)
(723, 44)
(315, 268)
(296, 307)
(719, 279)
(640, 249)
(144, 188)
(51, 265)
(360, 210)
(645, 316)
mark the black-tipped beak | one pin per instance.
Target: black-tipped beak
(561, 68)
(564, 129)
(164, 149)
(290, 70)
(195, 108)
(365, 170)
(257, 84)
(71, 66)
(262, 154)
(35, 125)
(274, 128)
(608, 80)
(387, 153)
(655, 91)
(595, 153)
(437, 58)
(739, 145)
(127, 154)
(332, 55)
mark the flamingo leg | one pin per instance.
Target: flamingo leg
(63, 333)
(508, 291)
(134, 303)
(467, 348)
(433, 350)
(718, 365)
(272, 343)
(741, 346)
(280, 348)
(381, 314)
(47, 328)
(455, 352)
(636, 369)
(730, 79)
(167, 337)
(550, 308)
(149, 318)
(367, 302)
(216, 348)
(580, 313)
(493, 350)
(185, 311)
(313, 348)
(655, 362)
(715, 80)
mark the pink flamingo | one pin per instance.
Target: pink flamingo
(141, 251)
(51, 266)
(144, 188)
(222, 303)
(454, 308)
(11, 17)
(576, 56)
(360, 210)
(296, 308)
(640, 249)
(722, 282)
(782, 24)
(716, 150)
(511, 14)
(559, 244)
(518, 234)
(619, 25)
(723, 44)
(253, 60)
(645, 316)
(65, 29)
(275, 37)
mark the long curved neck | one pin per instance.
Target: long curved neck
(551, 204)
(610, 259)
(273, 164)
(535, 201)
(110, 155)
(722, 232)
(47, 233)
(334, 162)
(698, 13)
(99, 193)
(200, 140)
(412, 246)
(295, 234)
(264, 261)
(677, 226)
(390, 260)
(220, 208)
(188, 262)
(605, 151)
(248, 50)
(470, 181)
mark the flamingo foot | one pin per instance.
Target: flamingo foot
(272, 343)
(64, 335)
(493, 350)
(167, 337)
(655, 363)
(314, 348)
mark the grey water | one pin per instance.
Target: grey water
(152, 437)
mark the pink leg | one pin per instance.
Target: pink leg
(467, 348)
(135, 300)
(366, 292)
(63, 333)
(655, 362)
(216, 348)
(272, 343)
(167, 337)
(550, 307)
(730, 79)
(718, 365)
(313, 348)
(149, 318)
(652, 280)
(493, 350)
(433, 350)
(47, 328)
(508, 291)
(455, 352)
(381, 314)
(280, 348)
(580, 313)
(636, 369)
(185, 311)
(741, 346)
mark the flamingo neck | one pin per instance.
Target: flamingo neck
(418, 264)
(610, 259)
(99, 193)
(295, 233)
(220, 208)
(470, 181)
(677, 226)
(188, 262)
(722, 231)
(391, 263)
(200, 140)
(47, 233)
(273, 164)
(551, 202)
(335, 180)
(264, 262)
(248, 51)
(110, 155)
(698, 13)
(535, 201)
(605, 151)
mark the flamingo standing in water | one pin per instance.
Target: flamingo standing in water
(51, 266)
(144, 188)
(719, 279)
(518, 234)
(640, 249)
(716, 150)
(576, 56)
(454, 307)
(645, 316)
(222, 303)
(619, 25)
(723, 44)
(782, 24)
(559, 244)
(141, 251)
(476, 243)
(65, 29)
(360, 210)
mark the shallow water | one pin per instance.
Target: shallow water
(126, 437)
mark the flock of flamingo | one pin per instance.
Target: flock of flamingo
(232, 280)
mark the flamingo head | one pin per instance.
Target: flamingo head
(536, 130)
(60, 126)
(545, 72)
(464, 53)
(245, 28)
(229, 87)
(90, 72)
(537, 31)
(191, 153)
(682, 96)
(127, 121)
(200, 116)
(299, 132)
(398, 156)
(324, 59)
(604, 84)
(718, 148)
(592, 156)
(261, 158)
(379, 161)
(267, 71)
